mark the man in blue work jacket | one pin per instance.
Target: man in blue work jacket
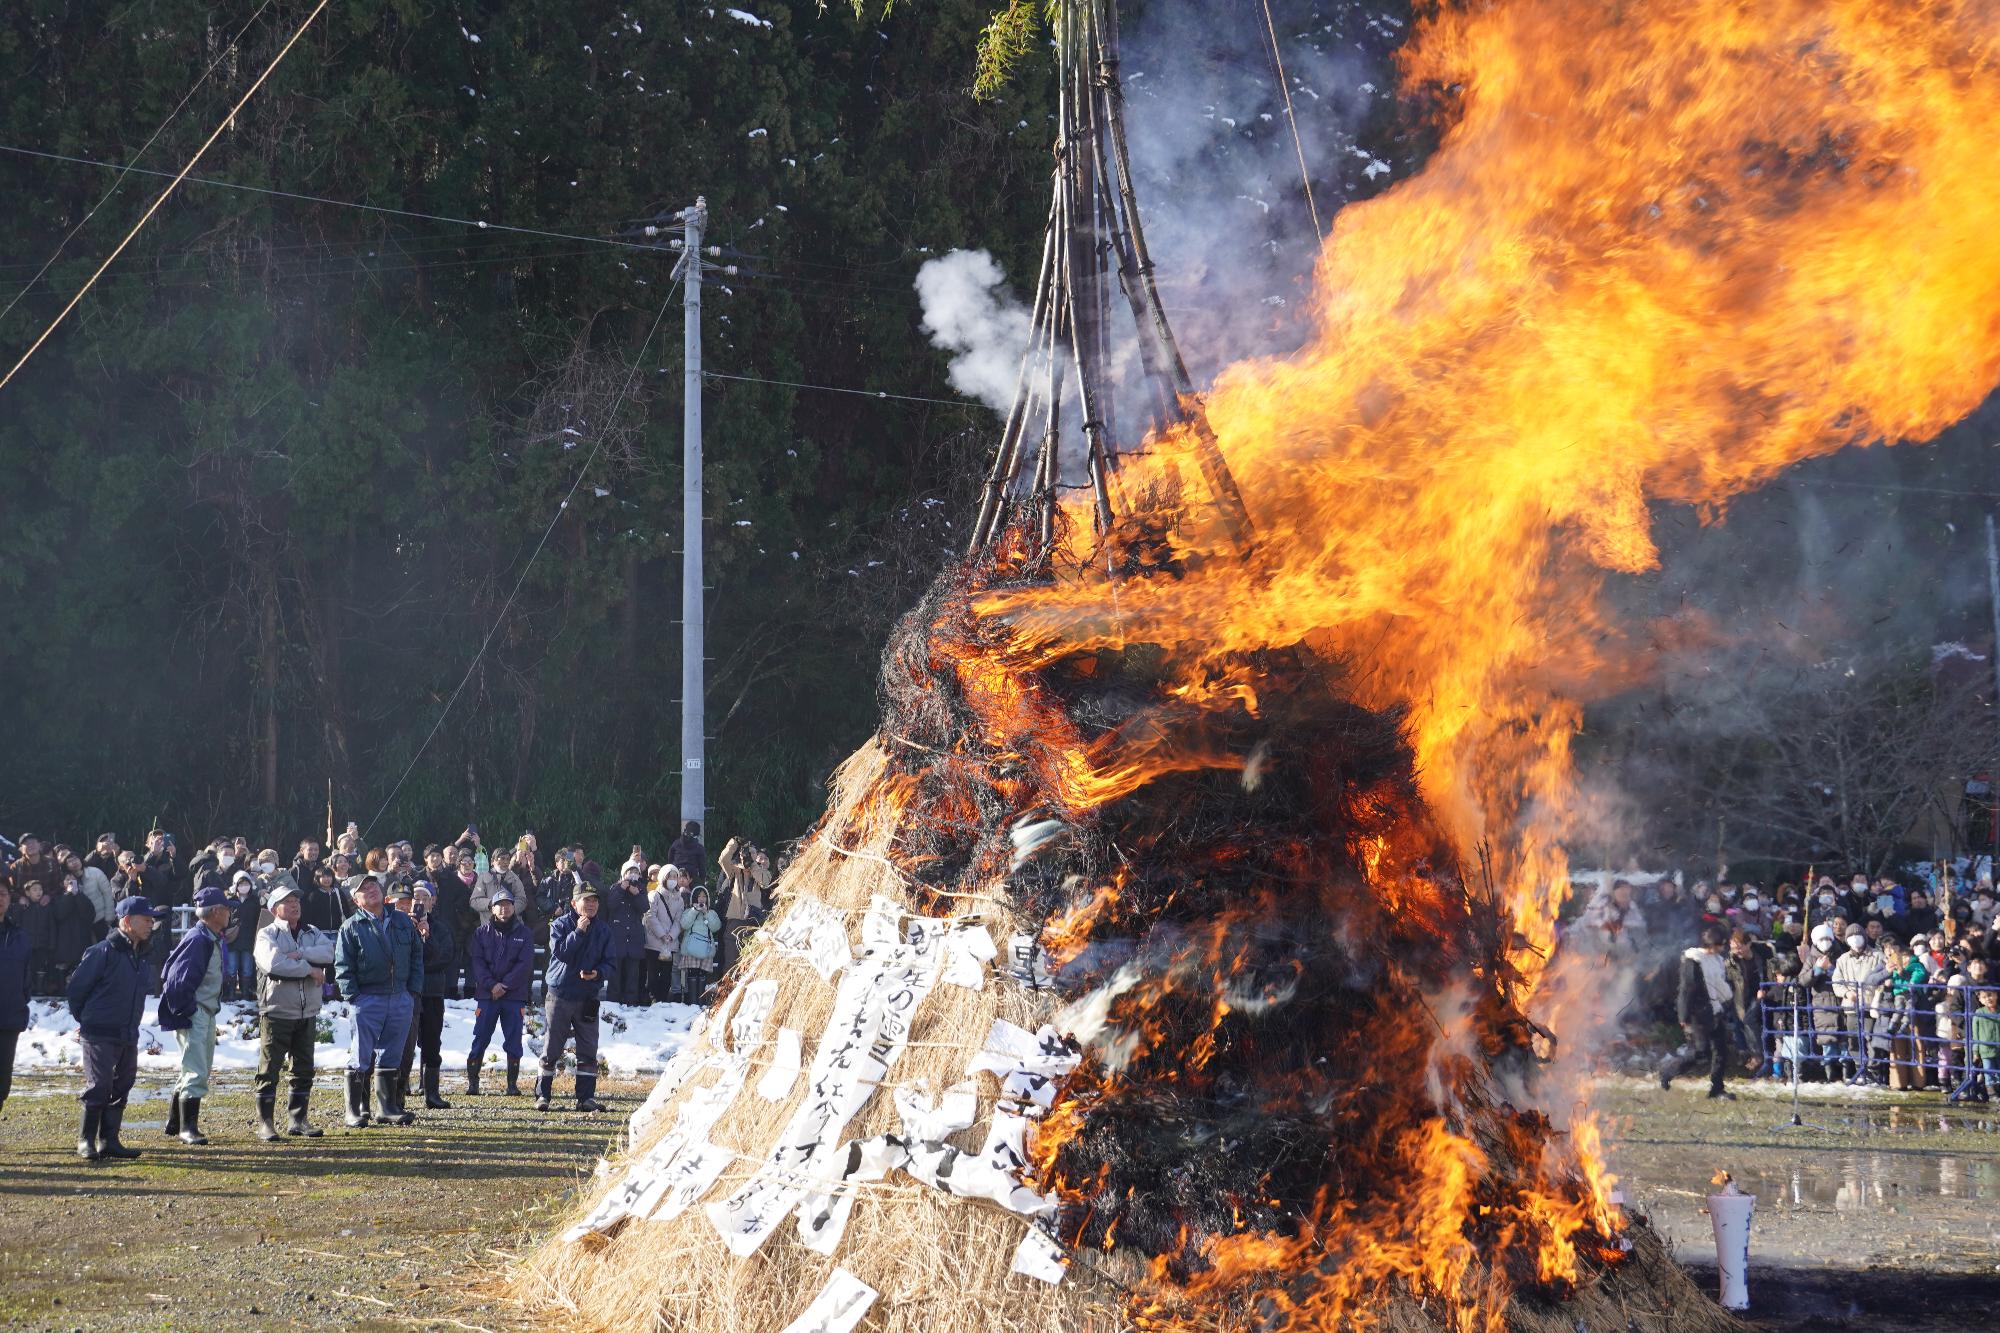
(379, 964)
(579, 948)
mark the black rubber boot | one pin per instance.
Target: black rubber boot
(191, 1122)
(389, 1107)
(173, 1126)
(472, 1078)
(301, 1127)
(86, 1137)
(357, 1099)
(586, 1093)
(513, 1078)
(267, 1105)
(543, 1086)
(433, 1099)
(107, 1134)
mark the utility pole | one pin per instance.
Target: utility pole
(1993, 768)
(694, 719)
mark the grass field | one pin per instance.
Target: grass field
(377, 1228)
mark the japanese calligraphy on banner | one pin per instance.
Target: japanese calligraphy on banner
(683, 1164)
(1028, 963)
(1029, 1064)
(838, 1307)
(873, 1010)
(815, 932)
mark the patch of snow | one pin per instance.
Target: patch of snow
(634, 1039)
(745, 16)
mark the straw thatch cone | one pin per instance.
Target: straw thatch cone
(941, 1264)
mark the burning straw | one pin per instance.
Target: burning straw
(1239, 791)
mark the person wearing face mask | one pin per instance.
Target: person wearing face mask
(1856, 974)
(246, 917)
(1752, 916)
(1715, 911)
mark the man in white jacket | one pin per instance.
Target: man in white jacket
(292, 959)
(1705, 996)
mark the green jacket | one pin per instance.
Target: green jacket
(1986, 1034)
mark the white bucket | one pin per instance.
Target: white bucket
(1731, 1215)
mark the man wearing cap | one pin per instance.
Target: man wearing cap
(503, 970)
(379, 963)
(292, 959)
(579, 949)
(190, 995)
(107, 997)
(427, 1031)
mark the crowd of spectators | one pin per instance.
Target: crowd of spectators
(675, 925)
(1881, 980)
(670, 925)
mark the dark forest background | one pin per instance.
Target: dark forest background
(269, 486)
(265, 492)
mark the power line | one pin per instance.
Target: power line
(547, 532)
(476, 223)
(831, 388)
(167, 193)
(150, 139)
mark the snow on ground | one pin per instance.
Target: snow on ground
(632, 1039)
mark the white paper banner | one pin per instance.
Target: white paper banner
(1040, 1256)
(1028, 964)
(838, 1307)
(752, 1008)
(692, 1174)
(971, 949)
(823, 1213)
(925, 1121)
(873, 1009)
(654, 1179)
(815, 932)
(777, 1082)
(685, 1064)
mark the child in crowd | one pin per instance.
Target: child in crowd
(1985, 1037)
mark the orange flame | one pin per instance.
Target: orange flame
(1665, 251)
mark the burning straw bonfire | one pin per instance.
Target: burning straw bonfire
(1186, 927)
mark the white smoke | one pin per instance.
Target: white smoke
(969, 312)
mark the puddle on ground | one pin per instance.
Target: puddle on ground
(1866, 1182)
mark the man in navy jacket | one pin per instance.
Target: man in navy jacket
(190, 997)
(503, 970)
(580, 947)
(107, 997)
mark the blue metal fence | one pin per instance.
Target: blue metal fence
(1929, 1034)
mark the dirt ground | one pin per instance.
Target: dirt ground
(1879, 1214)
(1879, 1211)
(365, 1229)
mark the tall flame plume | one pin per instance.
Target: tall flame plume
(1664, 251)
